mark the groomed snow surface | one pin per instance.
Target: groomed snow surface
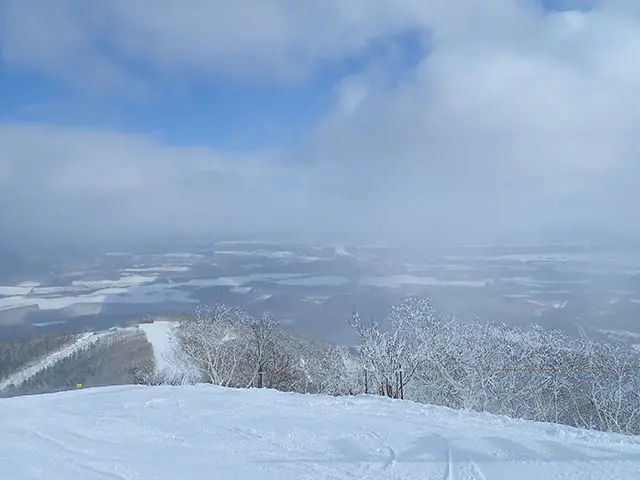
(159, 336)
(205, 432)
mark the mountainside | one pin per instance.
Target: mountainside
(205, 432)
(92, 359)
(22, 375)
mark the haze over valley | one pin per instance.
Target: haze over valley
(583, 289)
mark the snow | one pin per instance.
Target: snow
(238, 282)
(194, 432)
(318, 281)
(545, 306)
(248, 242)
(21, 289)
(342, 252)
(316, 299)
(159, 269)
(134, 289)
(29, 371)
(17, 290)
(7, 303)
(281, 255)
(235, 252)
(143, 294)
(257, 253)
(532, 282)
(47, 324)
(123, 282)
(58, 290)
(158, 335)
(454, 267)
(242, 290)
(268, 277)
(209, 282)
(397, 281)
(619, 333)
(560, 257)
(622, 335)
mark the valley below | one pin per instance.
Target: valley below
(583, 289)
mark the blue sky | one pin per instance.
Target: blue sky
(220, 112)
(216, 113)
(225, 113)
(385, 118)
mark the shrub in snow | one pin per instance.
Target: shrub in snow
(527, 373)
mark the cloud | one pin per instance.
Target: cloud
(523, 119)
(66, 179)
(276, 40)
(511, 118)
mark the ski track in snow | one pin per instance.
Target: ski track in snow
(202, 432)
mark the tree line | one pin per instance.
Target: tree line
(529, 373)
(14, 355)
(106, 361)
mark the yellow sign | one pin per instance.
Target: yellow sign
(78, 385)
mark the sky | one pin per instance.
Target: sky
(376, 120)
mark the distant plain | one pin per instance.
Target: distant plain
(582, 289)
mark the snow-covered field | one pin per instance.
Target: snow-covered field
(397, 281)
(205, 432)
(139, 289)
(128, 288)
(561, 284)
(280, 255)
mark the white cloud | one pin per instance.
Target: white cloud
(520, 119)
(270, 40)
(516, 118)
(351, 92)
(75, 180)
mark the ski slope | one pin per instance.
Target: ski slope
(83, 341)
(158, 335)
(24, 374)
(205, 432)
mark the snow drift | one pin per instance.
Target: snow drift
(203, 432)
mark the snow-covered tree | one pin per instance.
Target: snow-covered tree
(330, 369)
(529, 373)
(390, 357)
(208, 341)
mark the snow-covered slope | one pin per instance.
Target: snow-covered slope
(203, 432)
(158, 335)
(83, 341)
(32, 369)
